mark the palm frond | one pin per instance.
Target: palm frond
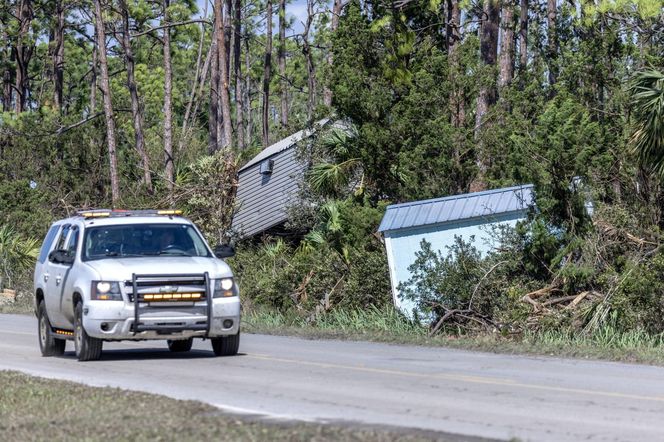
(330, 178)
(647, 90)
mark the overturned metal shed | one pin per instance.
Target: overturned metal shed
(439, 220)
(269, 184)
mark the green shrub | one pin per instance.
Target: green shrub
(17, 254)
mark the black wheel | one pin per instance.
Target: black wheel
(87, 348)
(48, 345)
(180, 345)
(226, 345)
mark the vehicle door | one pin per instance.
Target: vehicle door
(41, 274)
(55, 273)
(67, 292)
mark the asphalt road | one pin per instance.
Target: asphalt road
(467, 393)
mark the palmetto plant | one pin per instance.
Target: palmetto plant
(333, 177)
(16, 254)
(329, 232)
(647, 90)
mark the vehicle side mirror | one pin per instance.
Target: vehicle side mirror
(224, 251)
(61, 257)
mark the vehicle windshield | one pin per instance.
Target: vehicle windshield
(139, 240)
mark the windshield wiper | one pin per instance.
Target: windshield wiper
(174, 253)
(124, 255)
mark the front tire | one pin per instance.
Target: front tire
(226, 345)
(87, 348)
(48, 345)
(180, 345)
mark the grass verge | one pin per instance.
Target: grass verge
(387, 325)
(33, 408)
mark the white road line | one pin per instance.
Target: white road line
(263, 413)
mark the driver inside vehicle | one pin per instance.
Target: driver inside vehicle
(166, 240)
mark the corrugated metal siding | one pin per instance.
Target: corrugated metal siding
(284, 144)
(457, 207)
(264, 199)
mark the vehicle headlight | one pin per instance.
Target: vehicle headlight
(105, 291)
(224, 288)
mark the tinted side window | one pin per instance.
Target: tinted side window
(46, 245)
(72, 242)
(60, 245)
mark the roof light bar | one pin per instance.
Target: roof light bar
(101, 213)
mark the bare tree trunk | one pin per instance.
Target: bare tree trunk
(199, 95)
(228, 35)
(523, 36)
(457, 99)
(487, 92)
(93, 79)
(59, 55)
(506, 45)
(195, 84)
(266, 76)
(136, 111)
(488, 55)
(237, 74)
(168, 105)
(281, 55)
(213, 111)
(311, 68)
(108, 106)
(23, 53)
(247, 93)
(334, 24)
(223, 81)
(552, 37)
(7, 75)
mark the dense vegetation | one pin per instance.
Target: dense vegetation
(441, 97)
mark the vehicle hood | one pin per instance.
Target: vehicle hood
(121, 269)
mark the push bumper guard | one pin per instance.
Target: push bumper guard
(154, 281)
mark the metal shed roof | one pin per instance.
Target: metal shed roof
(284, 144)
(457, 207)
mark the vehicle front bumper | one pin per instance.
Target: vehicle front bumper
(114, 320)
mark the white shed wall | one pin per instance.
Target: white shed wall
(402, 245)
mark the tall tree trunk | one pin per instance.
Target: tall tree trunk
(237, 73)
(213, 110)
(457, 99)
(281, 55)
(506, 45)
(334, 24)
(7, 74)
(224, 99)
(168, 105)
(523, 36)
(136, 111)
(487, 92)
(488, 55)
(247, 93)
(267, 72)
(228, 37)
(194, 96)
(58, 55)
(23, 53)
(552, 40)
(311, 68)
(93, 78)
(108, 106)
(201, 90)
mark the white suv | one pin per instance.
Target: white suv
(110, 275)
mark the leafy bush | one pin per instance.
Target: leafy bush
(339, 263)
